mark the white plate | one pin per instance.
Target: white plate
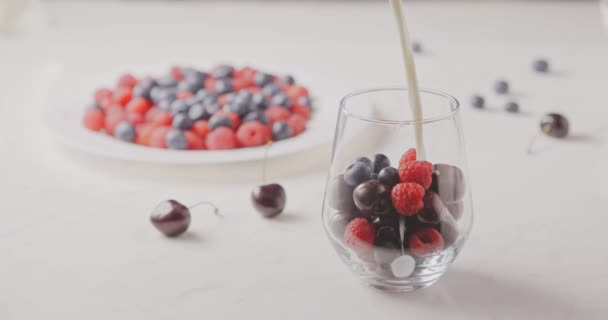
(69, 95)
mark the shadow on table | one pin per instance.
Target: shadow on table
(486, 296)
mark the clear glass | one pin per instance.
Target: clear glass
(409, 250)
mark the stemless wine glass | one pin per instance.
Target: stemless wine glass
(397, 237)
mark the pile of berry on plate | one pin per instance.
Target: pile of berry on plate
(383, 212)
(190, 109)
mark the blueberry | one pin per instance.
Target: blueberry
(143, 88)
(364, 160)
(512, 107)
(125, 131)
(212, 108)
(416, 47)
(245, 96)
(389, 176)
(357, 173)
(280, 131)
(179, 106)
(223, 86)
(203, 94)
(305, 101)
(198, 112)
(256, 116)
(167, 81)
(158, 94)
(478, 101)
(288, 79)
(261, 79)
(189, 72)
(223, 71)
(190, 84)
(380, 162)
(182, 121)
(282, 100)
(217, 121)
(270, 90)
(164, 105)
(258, 102)
(237, 106)
(540, 65)
(176, 139)
(501, 87)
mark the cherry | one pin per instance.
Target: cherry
(171, 218)
(554, 125)
(268, 199)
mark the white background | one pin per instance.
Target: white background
(75, 241)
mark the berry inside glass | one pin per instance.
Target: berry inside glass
(395, 219)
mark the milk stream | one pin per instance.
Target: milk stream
(412, 82)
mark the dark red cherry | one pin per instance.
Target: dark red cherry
(171, 218)
(269, 199)
(555, 125)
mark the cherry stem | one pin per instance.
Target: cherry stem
(268, 145)
(216, 210)
(531, 145)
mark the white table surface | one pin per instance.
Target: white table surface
(75, 241)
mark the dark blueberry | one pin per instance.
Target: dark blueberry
(417, 47)
(212, 108)
(176, 139)
(125, 131)
(256, 116)
(237, 106)
(143, 88)
(203, 94)
(478, 101)
(179, 106)
(198, 112)
(373, 198)
(338, 222)
(270, 89)
(304, 101)
(389, 176)
(217, 121)
(288, 79)
(223, 71)
(166, 94)
(340, 195)
(245, 95)
(190, 84)
(433, 208)
(357, 173)
(555, 125)
(512, 107)
(282, 100)
(281, 131)
(380, 162)
(189, 72)
(167, 81)
(387, 235)
(223, 86)
(229, 98)
(269, 199)
(448, 182)
(501, 87)
(540, 65)
(366, 161)
(261, 79)
(375, 176)
(182, 121)
(258, 101)
(164, 105)
(171, 218)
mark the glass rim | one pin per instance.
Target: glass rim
(452, 100)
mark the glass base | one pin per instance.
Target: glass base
(410, 284)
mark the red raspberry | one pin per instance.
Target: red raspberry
(114, 110)
(184, 95)
(201, 127)
(246, 75)
(294, 92)
(135, 118)
(253, 134)
(151, 113)
(420, 172)
(409, 155)
(158, 137)
(122, 96)
(139, 105)
(143, 132)
(359, 236)
(112, 120)
(221, 138)
(407, 198)
(126, 81)
(297, 123)
(162, 118)
(176, 72)
(94, 119)
(276, 114)
(221, 100)
(239, 84)
(426, 242)
(194, 141)
(301, 110)
(209, 84)
(102, 94)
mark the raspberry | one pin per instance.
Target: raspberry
(201, 128)
(158, 138)
(209, 84)
(301, 110)
(184, 95)
(94, 119)
(221, 138)
(135, 118)
(151, 113)
(221, 100)
(239, 84)
(176, 72)
(194, 141)
(407, 198)
(112, 120)
(359, 235)
(126, 81)
(252, 134)
(102, 94)
(234, 117)
(297, 123)
(162, 118)
(294, 92)
(426, 242)
(143, 132)
(276, 114)
(420, 172)
(139, 104)
(122, 96)
(409, 155)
